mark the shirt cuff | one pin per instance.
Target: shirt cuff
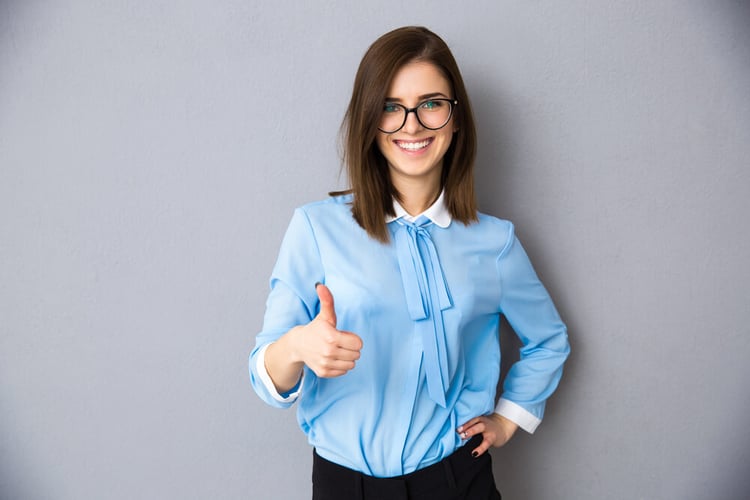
(518, 415)
(265, 378)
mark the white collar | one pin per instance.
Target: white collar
(437, 212)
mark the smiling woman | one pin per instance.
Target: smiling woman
(414, 152)
(396, 377)
(374, 90)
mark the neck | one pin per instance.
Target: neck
(418, 197)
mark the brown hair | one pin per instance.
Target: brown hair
(366, 167)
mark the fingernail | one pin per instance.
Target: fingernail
(463, 435)
(317, 283)
(475, 454)
(460, 429)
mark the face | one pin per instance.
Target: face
(414, 153)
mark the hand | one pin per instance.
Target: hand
(325, 350)
(496, 430)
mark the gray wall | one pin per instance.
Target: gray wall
(150, 157)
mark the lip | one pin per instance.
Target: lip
(414, 146)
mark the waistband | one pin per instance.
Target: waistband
(441, 475)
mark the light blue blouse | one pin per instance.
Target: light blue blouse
(427, 307)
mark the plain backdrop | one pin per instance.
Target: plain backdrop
(151, 154)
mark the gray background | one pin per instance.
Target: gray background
(151, 154)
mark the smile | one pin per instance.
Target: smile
(413, 145)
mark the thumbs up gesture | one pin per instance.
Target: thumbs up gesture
(327, 312)
(327, 351)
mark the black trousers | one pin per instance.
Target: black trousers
(458, 477)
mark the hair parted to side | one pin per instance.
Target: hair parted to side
(366, 167)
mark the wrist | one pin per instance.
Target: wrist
(289, 345)
(505, 422)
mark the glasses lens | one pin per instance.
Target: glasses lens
(434, 113)
(392, 118)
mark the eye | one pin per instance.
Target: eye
(431, 105)
(390, 107)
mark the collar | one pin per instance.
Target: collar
(437, 212)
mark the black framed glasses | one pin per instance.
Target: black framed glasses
(432, 114)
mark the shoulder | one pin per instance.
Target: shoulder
(331, 206)
(492, 223)
(331, 216)
(493, 231)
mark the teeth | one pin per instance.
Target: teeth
(413, 146)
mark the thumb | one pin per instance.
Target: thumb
(327, 312)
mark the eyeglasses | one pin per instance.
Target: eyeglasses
(432, 114)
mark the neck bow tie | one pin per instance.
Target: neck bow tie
(426, 297)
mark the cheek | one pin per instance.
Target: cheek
(382, 143)
(447, 139)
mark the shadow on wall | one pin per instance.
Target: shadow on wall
(497, 175)
(17, 479)
(494, 169)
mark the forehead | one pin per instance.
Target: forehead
(418, 78)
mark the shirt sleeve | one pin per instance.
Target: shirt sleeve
(529, 309)
(292, 301)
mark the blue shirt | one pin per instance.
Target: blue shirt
(427, 306)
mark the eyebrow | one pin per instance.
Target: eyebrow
(420, 98)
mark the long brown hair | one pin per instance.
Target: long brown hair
(366, 167)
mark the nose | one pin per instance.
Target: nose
(412, 124)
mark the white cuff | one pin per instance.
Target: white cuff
(260, 366)
(517, 414)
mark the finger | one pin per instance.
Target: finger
(342, 354)
(327, 312)
(334, 368)
(466, 429)
(337, 365)
(350, 341)
(326, 373)
(471, 422)
(481, 449)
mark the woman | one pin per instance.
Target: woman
(385, 301)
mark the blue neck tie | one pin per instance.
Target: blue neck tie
(426, 297)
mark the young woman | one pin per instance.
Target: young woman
(385, 301)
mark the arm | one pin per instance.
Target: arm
(530, 381)
(294, 334)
